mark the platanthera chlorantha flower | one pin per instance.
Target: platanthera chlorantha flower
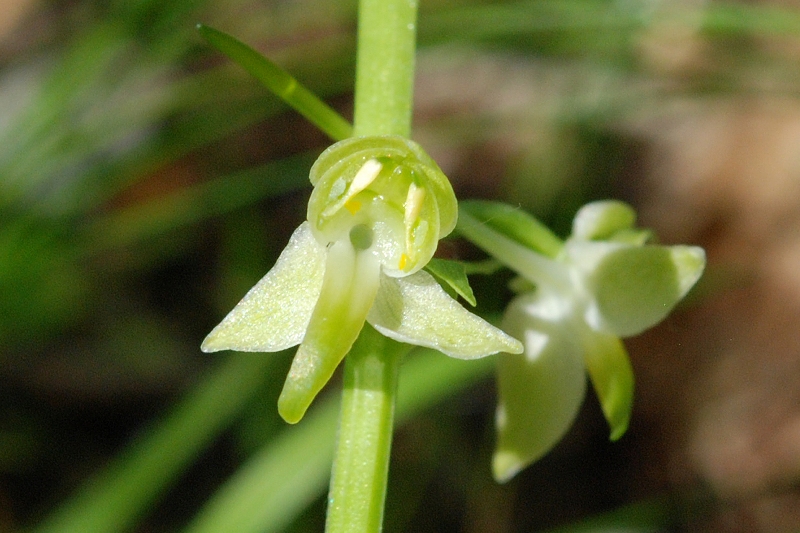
(376, 214)
(577, 299)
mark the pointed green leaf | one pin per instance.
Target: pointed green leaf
(454, 274)
(348, 290)
(416, 310)
(612, 377)
(634, 288)
(540, 391)
(274, 314)
(601, 220)
(515, 224)
(280, 82)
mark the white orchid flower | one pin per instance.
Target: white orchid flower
(580, 298)
(377, 211)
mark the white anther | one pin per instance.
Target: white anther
(364, 177)
(413, 204)
(412, 207)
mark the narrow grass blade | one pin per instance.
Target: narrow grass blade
(280, 82)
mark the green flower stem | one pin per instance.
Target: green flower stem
(384, 89)
(361, 464)
(515, 224)
(385, 67)
(533, 266)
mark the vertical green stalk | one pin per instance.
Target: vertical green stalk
(361, 463)
(383, 101)
(385, 67)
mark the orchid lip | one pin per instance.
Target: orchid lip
(349, 287)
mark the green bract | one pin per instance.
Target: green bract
(580, 298)
(377, 211)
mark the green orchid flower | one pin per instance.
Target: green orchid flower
(377, 211)
(576, 300)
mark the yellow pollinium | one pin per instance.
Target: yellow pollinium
(353, 206)
(403, 263)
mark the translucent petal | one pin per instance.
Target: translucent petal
(390, 185)
(689, 261)
(442, 191)
(420, 238)
(540, 391)
(634, 288)
(348, 290)
(612, 377)
(274, 314)
(337, 154)
(633, 236)
(601, 220)
(416, 310)
(340, 162)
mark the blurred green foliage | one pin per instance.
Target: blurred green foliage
(146, 183)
